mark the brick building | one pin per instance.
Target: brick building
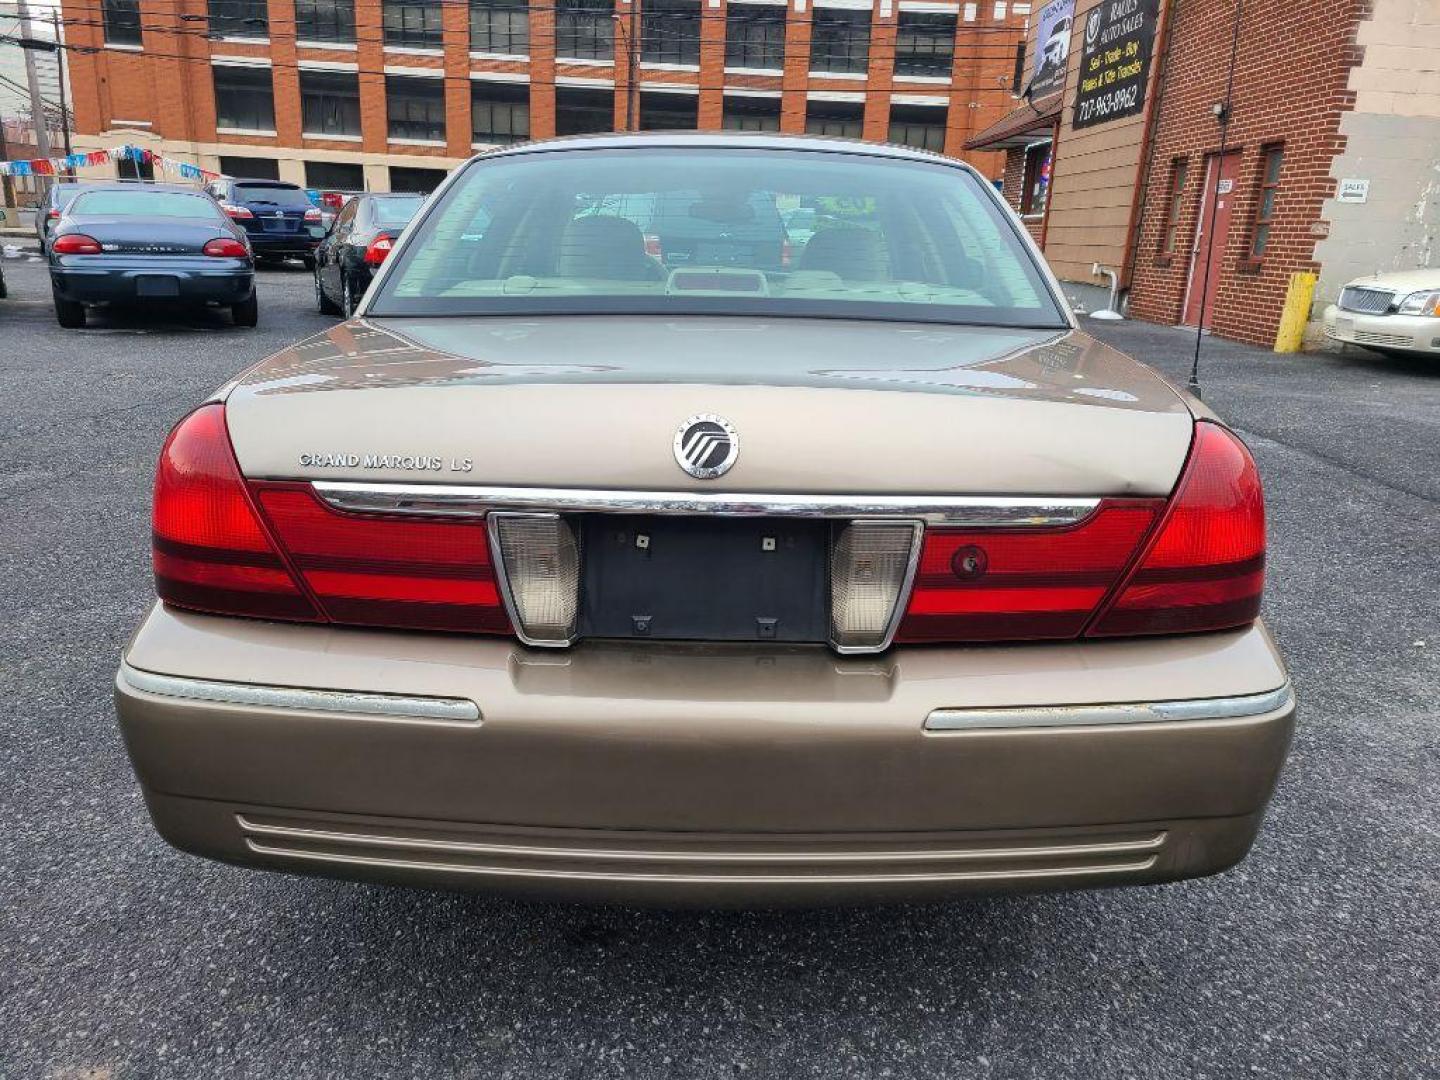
(387, 94)
(1206, 191)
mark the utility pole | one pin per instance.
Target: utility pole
(60, 83)
(37, 104)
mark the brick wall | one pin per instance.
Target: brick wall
(1292, 69)
(168, 86)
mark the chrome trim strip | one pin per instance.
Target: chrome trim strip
(467, 501)
(1154, 712)
(1152, 843)
(902, 598)
(708, 879)
(378, 706)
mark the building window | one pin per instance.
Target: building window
(920, 126)
(755, 36)
(250, 168)
(585, 30)
(419, 181)
(415, 107)
(330, 102)
(924, 44)
(412, 26)
(844, 119)
(122, 22)
(239, 18)
(670, 31)
(325, 21)
(1271, 159)
(745, 113)
(582, 111)
(499, 113)
(244, 99)
(1175, 201)
(840, 40)
(669, 112)
(1035, 185)
(334, 176)
(500, 26)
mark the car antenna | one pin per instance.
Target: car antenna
(1221, 109)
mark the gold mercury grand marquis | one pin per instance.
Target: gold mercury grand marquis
(626, 546)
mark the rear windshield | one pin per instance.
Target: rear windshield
(396, 211)
(278, 194)
(144, 204)
(682, 230)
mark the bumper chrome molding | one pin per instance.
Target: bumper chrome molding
(466, 501)
(345, 702)
(1153, 712)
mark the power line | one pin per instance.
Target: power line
(441, 76)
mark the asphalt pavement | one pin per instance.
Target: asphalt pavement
(1317, 957)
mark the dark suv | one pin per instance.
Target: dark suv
(278, 218)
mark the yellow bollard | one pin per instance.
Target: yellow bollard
(1296, 314)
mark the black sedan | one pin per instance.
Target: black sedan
(358, 241)
(157, 242)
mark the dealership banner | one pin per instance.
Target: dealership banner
(1115, 49)
(56, 165)
(1053, 27)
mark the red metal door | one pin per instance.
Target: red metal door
(1208, 254)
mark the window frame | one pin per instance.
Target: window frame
(396, 87)
(325, 21)
(584, 30)
(398, 32)
(323, 101)
(670, 32)
(120, 20)
(933, 120)
(846, 119)
(836, 53)
(1037, 155)
(1175, 193)
(518, 104)
(909, 62)
(500, 27)
(256, 75)
(751, 41)
(230, 25)
(1267, 184)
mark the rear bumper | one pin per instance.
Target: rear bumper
(719, 775)
(120, 283)
(283, 244)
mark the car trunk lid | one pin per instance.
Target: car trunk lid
(819, 406)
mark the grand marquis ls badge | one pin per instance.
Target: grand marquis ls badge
(706, 446)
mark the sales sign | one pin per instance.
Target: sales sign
(1116, 43)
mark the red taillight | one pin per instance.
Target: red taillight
(236, 211)
(225, 247)
(377, 251)
(420, 573)
(787, 253)
(75, 244)
(652, 247)
(997, 584)
(1205, 569)
(210, 549)
(53, 214)
(313, 215)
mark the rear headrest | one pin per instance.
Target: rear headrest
(854, 253)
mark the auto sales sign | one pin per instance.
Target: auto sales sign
(1115, 46)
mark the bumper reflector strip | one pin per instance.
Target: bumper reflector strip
(1154, 712)
(379, 706)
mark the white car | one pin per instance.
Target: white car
(1395, 314)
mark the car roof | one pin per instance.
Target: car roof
(115, 185)
(725, 140)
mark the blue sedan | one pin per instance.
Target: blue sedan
(156, 242)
